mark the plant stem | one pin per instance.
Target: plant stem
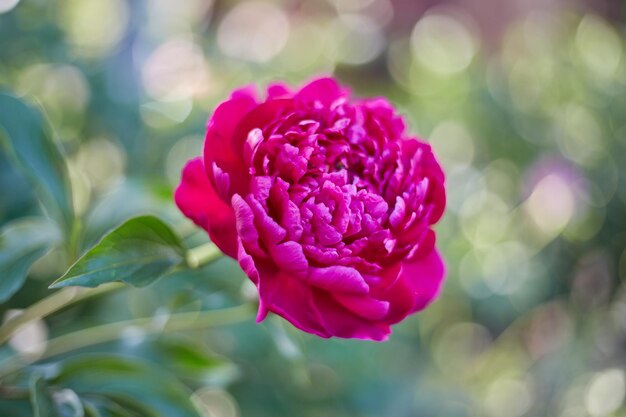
(203, 255)
(112, 331)
(73, 241)
(52, 304)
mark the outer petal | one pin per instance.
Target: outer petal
(291, 299)
(366, 307)
(416, 285)
(425, 277)
(197, 199)
(437, 190)
(277, 90)
(324, 90)
(437, 196)
(246, 92)
(397, 292)
(341, 322)
(221, 128)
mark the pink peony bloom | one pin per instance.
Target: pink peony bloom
(327, 204)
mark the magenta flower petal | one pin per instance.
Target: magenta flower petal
(290, 258)
(366, 307)
(324, 90)
(277, 90)
(341, 322)
(245, 220)
(337, 278)
(292, 299)
(197, 199)
(220, 129)
(425, 277)
(327, 204)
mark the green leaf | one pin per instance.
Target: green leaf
(92, 410)
(22, 242)
(187, 356)
(128, 382)
(41, 400)
(138, 252)
(32, 146)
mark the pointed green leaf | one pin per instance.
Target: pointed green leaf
(41, 400)
(138, 252)
(31, 144)
(22, 242)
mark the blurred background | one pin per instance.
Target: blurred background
(525, 104)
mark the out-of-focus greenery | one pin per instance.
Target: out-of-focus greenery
(530, 126)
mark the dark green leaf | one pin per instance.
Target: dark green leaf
(41, 399)
(188, 356)
(138, 252)
(22, 242)
(31, 144)
(127, 380)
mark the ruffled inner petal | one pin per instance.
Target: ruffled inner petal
(338, 279)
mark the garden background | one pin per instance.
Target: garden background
(524, 103)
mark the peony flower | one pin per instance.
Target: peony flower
(326, 202)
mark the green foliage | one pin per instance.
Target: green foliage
(102, 407)
(187, 359)
(39, 156)
(41, 398)
(15, 407)
(129, 382)
(22, 242)
(137, 252)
